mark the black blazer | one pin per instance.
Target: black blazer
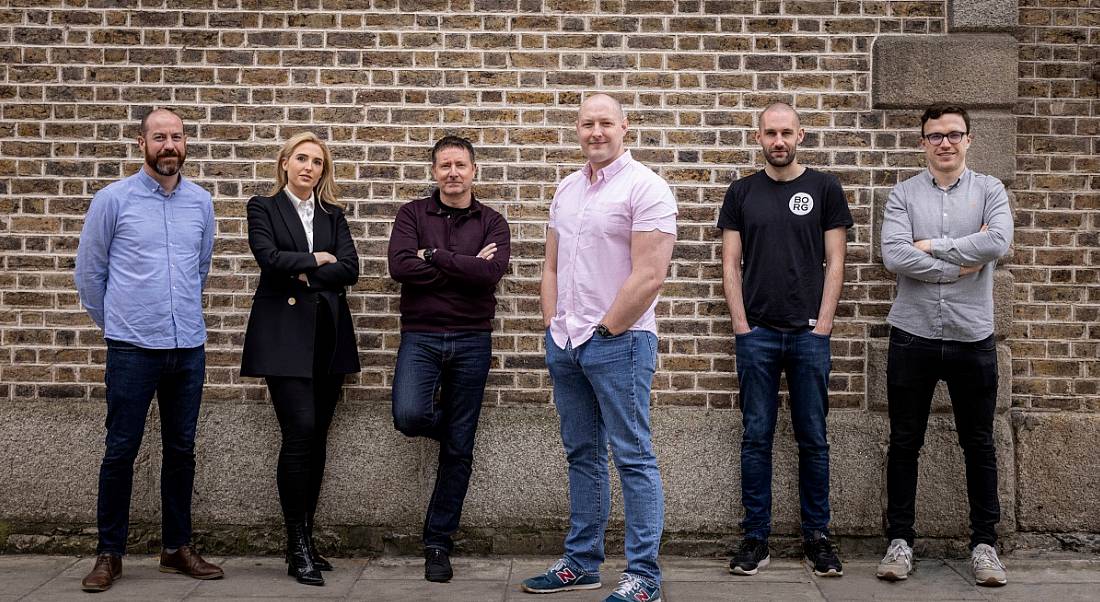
(282, 324)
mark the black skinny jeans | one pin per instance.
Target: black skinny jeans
(914, 367)
(304, 407)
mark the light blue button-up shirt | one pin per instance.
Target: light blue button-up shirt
(143, 259)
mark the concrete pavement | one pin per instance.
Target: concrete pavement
(1040, 576)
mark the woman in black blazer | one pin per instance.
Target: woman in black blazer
(299, 335)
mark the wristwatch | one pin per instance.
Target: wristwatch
(428, 254)
(603, 331)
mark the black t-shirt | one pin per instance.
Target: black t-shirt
(782, 226)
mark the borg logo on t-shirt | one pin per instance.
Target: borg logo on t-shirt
(801, 203)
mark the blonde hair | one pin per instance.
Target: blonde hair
(326, 189)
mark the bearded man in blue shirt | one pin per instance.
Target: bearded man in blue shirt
(143, 258)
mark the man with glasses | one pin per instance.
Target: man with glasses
(942, 234)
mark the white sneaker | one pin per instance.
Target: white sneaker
(987, 568)
(897, 563)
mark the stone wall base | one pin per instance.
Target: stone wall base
(378, 481)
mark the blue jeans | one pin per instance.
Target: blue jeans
(601, 390)
(454, 365)
(133, 375)
(762, 354)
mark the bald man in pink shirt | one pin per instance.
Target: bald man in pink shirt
(608, 247)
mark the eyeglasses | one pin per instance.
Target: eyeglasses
(936, 138)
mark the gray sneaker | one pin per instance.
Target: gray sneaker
(897, 563)
(987, 568)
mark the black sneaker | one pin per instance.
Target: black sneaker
(751, 556)
(821, 555)
(437, 565)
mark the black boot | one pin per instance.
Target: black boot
(319, 562)
(297, 552)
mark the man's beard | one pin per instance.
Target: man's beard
(780, 162)
(164, 170)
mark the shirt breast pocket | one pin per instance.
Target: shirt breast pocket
(187, 227)
(614, 220)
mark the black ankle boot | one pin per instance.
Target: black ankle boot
(319, 562)
(297, 552)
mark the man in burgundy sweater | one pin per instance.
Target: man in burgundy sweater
(448, 251)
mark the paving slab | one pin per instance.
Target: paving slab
(466, 568)
(932, 580)
(779, 570)
(253, 577)
(21, 575)
(1062, 577)
(403, 590)
(141, 580)
(728, 591)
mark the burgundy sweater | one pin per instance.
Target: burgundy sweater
(456, 291)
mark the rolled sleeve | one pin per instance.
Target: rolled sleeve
(654, 207)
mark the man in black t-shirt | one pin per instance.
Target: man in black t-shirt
(779, 227)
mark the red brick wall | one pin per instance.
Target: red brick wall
(381, 83)
(1056, 341)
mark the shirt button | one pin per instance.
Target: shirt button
(291, 301)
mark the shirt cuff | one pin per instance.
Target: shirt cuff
(950, 272)
(940, 246)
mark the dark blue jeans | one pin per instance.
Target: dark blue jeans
(133, 376)
(438, 386)
(913, 368)
(762, 355)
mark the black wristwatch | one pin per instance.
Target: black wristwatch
(428, 254)
(603, 331)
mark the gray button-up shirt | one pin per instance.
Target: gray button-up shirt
(933, 301)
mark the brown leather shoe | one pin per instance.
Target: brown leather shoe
(188, 562)
(107, 570)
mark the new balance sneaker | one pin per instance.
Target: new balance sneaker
(751, 556)
(633, 588)
(561, 578)
(821, 555)
(987, 568)
(437, 565)
(897, 563)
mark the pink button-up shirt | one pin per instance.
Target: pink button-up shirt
(594, 223)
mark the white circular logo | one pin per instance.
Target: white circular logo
(801, 203)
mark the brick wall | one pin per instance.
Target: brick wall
(381, 83)
(1056, 340)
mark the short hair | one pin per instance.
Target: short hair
(453, 142)
(939, 110)
(145, 118)
(777, 105)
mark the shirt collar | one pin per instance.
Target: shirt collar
(434, 207)
(297, 201)
(932, 179)
(152, 185)
(612, 168)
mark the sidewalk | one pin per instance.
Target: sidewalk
(1041, 577)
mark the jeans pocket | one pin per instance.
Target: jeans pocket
(900, 337)
(986, 345)
(752, 329)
